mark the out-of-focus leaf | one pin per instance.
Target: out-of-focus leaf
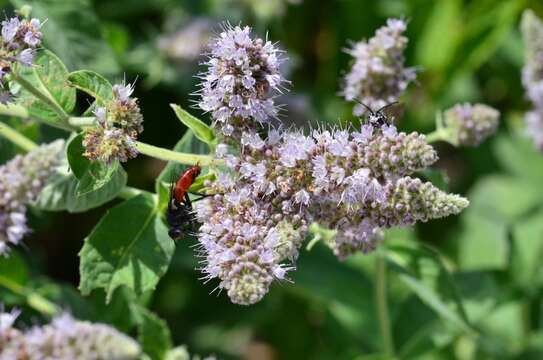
(482, 244)
(200, 129)
(72, 30)
(93, 84)
(60, 193)
(154, 335)
(518, 156)
(13, 267)
(503, 328)
(503, 199)
(446, 14)
(526, 267)
(49, 75)
(130, 246)
(317, 277)
(422, 270)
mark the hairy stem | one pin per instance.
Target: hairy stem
(382, 305)
(169, 155)
(82, 122)
(34, 300)
(17, 138)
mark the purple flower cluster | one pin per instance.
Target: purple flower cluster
(470, 125)
(118, 124)
(21, 181)
(532, 74)
(356, 183)
(20, 39)
(65, 338)
(378, 76)
(241, 74)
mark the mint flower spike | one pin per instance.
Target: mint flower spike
(241, 78)
(354, 182)
(469, 125)
(118, 124)
(532, 74)
(68, 338)
(18, 44)
(21, 180)
(378, 76)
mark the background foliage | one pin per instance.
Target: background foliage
(469, 287)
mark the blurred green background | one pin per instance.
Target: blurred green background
(489, 256)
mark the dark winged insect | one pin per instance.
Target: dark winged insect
(180, 214)
(379, 117)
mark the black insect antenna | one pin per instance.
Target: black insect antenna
(366, 106)
(387, 106)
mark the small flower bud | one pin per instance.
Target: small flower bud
(470, 125)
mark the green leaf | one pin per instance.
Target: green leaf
(72, 30)
(130, 246)
(60, 193)
(422, 270)
(97, 176)
(74, 153)
(482, 243)
(518, 156)
(14, 268)
(93, 84)
(154, 334)
(527, 252)
(200, 129)
(503, 199)
(50, 76)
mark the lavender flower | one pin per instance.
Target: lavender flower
(353, 182)
(65, 339)
(470, 125)
(378, 76)
(21, 181)
(236, 86)
(20, 39)
(118, 124)
(532, 74)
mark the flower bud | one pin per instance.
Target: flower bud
(470, 125)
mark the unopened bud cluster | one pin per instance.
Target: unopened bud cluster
(20, 39)
(64, 338)
(532, 75)
(378, 76)
(470, 125)
(21, 180)
(118, 124)
(241, 74)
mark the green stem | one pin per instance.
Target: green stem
(382, 305)
(33, 299)
(15, 137)
(82, 121)
(43, 97)
(169, 155)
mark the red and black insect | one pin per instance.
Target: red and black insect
(180, 214)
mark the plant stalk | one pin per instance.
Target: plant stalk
(382, 305)
(34, 300)
(169, 155)
(17, 138)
